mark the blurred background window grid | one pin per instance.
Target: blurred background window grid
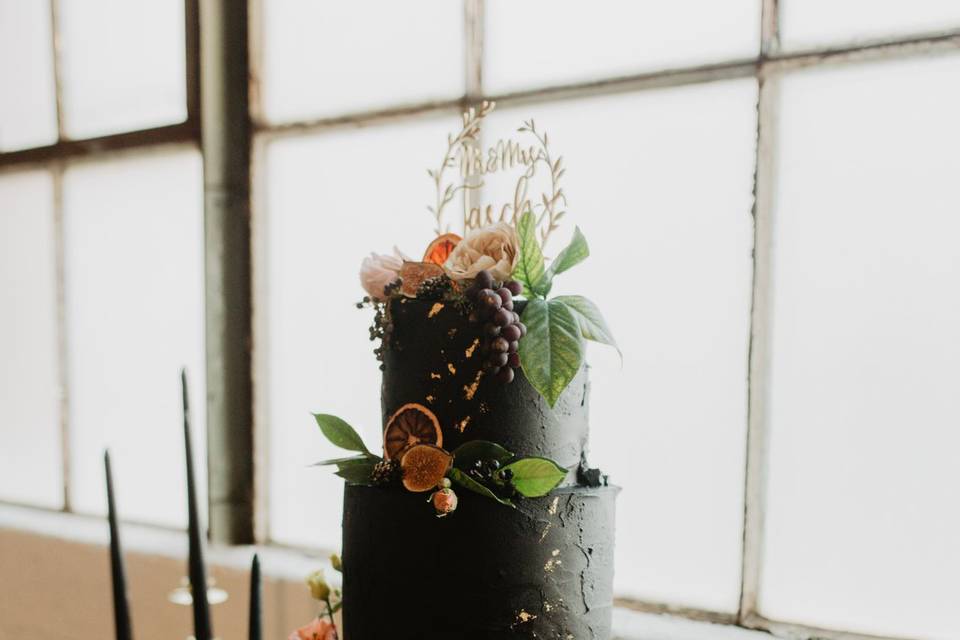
(780, 279)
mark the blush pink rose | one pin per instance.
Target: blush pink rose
(316, 630)
(377, 271)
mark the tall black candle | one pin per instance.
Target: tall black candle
(202, 629)
(121, 607)
(255, 632)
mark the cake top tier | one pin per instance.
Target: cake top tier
(491, 285)
(437, 359)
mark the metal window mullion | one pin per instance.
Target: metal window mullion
(759, 349)
(226, 143)
(60, 309)
(473, 49)
(769, 28)
(758, 379)
(474, 34)
(57, 67)
(191, 72)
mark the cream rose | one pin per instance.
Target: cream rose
(377, 271)
(493, 248)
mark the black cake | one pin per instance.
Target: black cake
(543, 569)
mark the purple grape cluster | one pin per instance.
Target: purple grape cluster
(502, 329)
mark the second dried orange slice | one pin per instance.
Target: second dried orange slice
(410, 425)
(441, 248)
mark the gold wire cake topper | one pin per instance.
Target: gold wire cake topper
(524, 154)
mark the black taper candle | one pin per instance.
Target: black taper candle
(121, 606)
(202, 629)
(256, 631)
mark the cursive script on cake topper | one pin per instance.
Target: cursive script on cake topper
(525, 155)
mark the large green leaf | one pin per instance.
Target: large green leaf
(357, 473)
(592, 325)
(465, 481)
(571, 255)
(340, 433)
(530, 264)
(345, 461)
(552, 351)
(467, 454)
(535, 477)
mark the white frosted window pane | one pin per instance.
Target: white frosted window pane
(30, 469)
(660, 183)
(331, 199)
(805, 23)
(123, 65)
(330, 58)
(539, 43)
(134, 284)
(28, 116)
(863, 506)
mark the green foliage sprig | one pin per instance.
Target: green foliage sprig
(354, 469)
(553, 350)
(530, 477)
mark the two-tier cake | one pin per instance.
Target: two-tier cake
(480, 518)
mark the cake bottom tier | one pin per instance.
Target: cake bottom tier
(486, 571)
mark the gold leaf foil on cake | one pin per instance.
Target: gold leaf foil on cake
(471, 390)
(473, 347)
(462, 425)
(523, 616)
(553, 562)
(452, 369)
(553, 505)
(435, 309)
(435, 376)
(430, 399)
(546, 530)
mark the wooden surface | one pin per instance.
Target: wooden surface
(53, 589)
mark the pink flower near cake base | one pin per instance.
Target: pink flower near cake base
(316, 630)
(377, 271)
(494, 248)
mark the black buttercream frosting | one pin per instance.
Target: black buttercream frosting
(487, 571)
(434, 358)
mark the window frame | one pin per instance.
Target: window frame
(226, 122)
(55, 158)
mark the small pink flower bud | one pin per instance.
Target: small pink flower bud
(444, 501)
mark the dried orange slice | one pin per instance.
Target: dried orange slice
(410, 425)
(423, 466)
(441, 248)
(414, 274)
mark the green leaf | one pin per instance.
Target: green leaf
(345, 461)
(467, 454)
(356, 473)
(465, 481)
(552, 351)
(535, 477)
(340, 433)
(571, 255)
(592, 325)
(530, 264)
